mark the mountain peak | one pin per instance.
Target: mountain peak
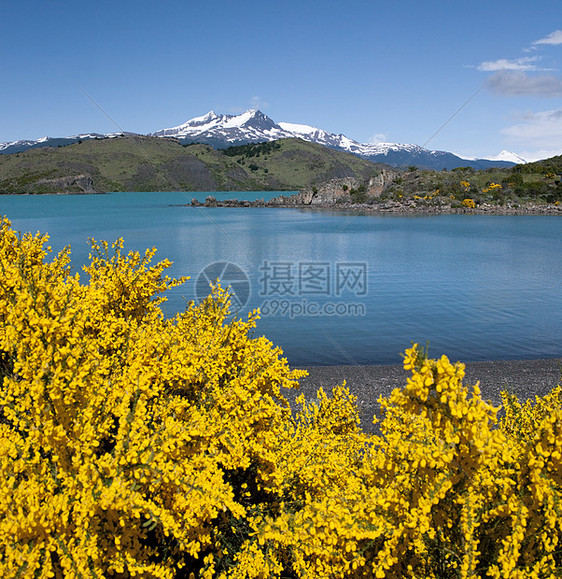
(510, 157)
(254, 126)
(205, 119)
(252, 118)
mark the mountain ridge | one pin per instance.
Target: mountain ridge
(253, 126)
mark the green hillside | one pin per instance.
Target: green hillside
(138, 163)
(157, 164)
(534, 182)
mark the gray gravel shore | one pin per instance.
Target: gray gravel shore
(525, 378)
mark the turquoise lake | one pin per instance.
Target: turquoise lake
(336, 287)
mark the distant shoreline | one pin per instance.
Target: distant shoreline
(384, 207)
(380, 208)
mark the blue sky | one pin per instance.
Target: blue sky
(473, 78)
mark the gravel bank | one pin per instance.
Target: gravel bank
(526, 378)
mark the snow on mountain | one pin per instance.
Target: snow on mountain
(46, 141)
(23, 143)
(85, 136)
(197, 125)
(506, 156)
(510, 157)
(301, 129)
(253, 126)
(315, 135)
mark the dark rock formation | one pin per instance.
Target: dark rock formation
(73, 184)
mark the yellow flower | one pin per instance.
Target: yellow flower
(133, 445)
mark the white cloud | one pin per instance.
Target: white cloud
(378, 138)
(257, 102)
(518, 83)
(540, 154)
(553, 38)
(540, 132)
(524, 63)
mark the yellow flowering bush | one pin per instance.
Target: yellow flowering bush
(134, 445)
(469, 203)
(125, 436)
(492, 187)
(521, 421)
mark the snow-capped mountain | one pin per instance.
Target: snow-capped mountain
(17, 146)
(23, 145)
(509, 157)
(252, 123)
(253, 126)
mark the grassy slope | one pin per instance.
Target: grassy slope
(123, 164)
(156, 164)
(299, 164)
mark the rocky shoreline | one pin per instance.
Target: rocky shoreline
(524, 378)
(351, 194)
(304, 201)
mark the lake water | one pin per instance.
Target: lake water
(340, 288)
